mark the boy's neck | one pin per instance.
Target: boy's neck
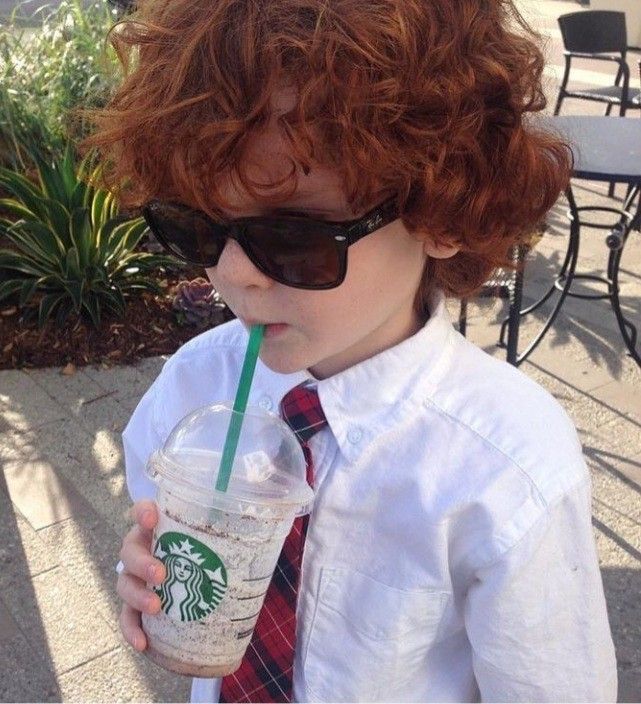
(379, 340)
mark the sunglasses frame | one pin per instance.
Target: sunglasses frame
(344, 233)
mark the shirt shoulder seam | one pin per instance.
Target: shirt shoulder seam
(489, 443)
(200, 346)
(544, 516)
(174, 361)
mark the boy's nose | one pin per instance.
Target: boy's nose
(236, 268)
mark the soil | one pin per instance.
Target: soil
(148, 328)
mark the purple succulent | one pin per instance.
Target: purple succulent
(197, 303)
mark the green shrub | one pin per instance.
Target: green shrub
(47, 72)
(71, 248)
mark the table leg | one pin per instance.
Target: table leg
(516, 298)
(566, 276)
(617, 241)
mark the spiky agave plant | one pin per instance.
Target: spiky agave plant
(72, 250)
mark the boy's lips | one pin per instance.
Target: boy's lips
(274, 329)
(271, 329)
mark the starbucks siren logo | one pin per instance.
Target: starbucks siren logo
(196, 577)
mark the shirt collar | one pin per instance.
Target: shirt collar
(366, 399)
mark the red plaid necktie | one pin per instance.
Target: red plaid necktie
(265, 674)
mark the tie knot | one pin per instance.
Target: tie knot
(302, 411)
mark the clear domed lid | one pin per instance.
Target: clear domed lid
(268, 473)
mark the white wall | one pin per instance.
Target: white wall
(632, 9)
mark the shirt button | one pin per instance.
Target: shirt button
(355, 435)
(265, 403)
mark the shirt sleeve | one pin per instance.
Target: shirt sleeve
(205, 691)
(139, 439)
(536, 617)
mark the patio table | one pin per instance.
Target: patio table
(605, 149)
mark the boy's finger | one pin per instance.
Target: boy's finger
(134, 593)
(137, 559)
(130, 627)
(145, 514)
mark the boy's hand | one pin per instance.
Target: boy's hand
(140, 567)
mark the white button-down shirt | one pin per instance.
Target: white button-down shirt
(450, 554)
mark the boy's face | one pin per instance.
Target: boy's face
(331, 330)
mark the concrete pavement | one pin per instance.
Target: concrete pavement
(62, 512)
(63, 498)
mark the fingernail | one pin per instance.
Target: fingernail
(147, 516)
(151, 604)
(152, 573)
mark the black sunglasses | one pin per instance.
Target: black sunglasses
(294, 250)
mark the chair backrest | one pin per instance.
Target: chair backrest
(594, 31)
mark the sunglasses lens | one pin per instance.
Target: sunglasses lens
(295, 251)
(187, 233)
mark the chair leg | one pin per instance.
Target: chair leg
(636, 222)
(559, 100)
(516, 300)
(564, 83)
(462, 317)
(608, 110)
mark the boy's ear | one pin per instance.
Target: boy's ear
(440, 251)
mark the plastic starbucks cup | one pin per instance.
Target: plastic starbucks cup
(220, 548)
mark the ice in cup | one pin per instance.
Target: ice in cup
(220, 548)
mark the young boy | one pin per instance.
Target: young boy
(449, 555)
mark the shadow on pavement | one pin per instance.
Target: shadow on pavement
(59, 633)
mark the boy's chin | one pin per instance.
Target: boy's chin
(281, 363)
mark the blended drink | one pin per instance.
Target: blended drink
(219, 548)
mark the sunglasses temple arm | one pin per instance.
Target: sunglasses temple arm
(372, 221)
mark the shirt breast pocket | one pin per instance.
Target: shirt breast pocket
(366, 635)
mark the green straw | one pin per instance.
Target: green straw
(240, 404)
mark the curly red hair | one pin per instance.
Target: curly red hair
(427, 99)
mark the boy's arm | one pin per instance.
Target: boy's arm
(140, 438)
(536, 618)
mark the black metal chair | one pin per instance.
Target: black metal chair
(600, 35)
(506, 284)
